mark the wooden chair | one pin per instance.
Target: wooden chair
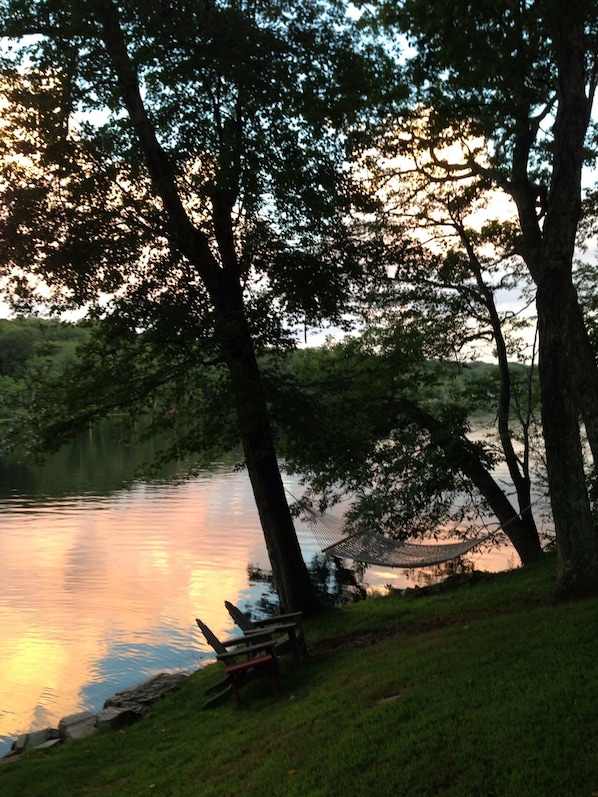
(285, 629)
(251, 655)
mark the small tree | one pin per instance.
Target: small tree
(385, 429)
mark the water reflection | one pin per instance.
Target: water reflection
(99, 592)
(101, 584)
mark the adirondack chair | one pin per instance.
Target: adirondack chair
(251, 656)
(286, 629)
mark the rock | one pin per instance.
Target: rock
(40, 738)
(20, 743)
(77, 726)
(148, 691)
(120, 710)
(47, 745)
(115, 717)
(45, 738)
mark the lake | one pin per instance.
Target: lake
(102, 577)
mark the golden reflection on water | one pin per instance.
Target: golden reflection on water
(89, 584)
(99, 593)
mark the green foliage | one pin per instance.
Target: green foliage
(476, 385)
(251, 188)
(255, 108)
(24, 339)
(248, 233)
(496, 67)
(369, 422)
(16, 348)
(30, 346)
(150, 386)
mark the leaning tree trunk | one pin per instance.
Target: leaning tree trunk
(222, 282)
(520, 529)
(522, 533)
(525, 536)
(291, 577)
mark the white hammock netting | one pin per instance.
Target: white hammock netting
(374, 548)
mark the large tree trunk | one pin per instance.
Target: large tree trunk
(577, 541)
(568, 375)
(585, 374)
(563, 356)
(222, 281)
(291, 577)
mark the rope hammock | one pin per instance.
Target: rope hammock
(371, 547)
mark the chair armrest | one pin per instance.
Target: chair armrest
(272, 629)
(294, 617)
(267, 645)
(259, 633)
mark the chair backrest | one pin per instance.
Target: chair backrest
(211, 637)
(240, 618)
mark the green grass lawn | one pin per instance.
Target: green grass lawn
(488, 690)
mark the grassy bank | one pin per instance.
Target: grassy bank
(487, 690)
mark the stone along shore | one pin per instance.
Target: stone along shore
(120, 710)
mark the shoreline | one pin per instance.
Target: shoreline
(122, 709)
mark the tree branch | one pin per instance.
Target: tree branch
(186, 237)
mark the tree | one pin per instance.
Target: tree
(521, 77)
(383, 432)
(16, 349)
(27, 346)
(460, 256)
(391, 424)
(177, 168)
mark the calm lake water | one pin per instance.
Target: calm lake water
(102, 579)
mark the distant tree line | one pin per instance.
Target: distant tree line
(29, 344)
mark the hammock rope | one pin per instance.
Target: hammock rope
(372, 547)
